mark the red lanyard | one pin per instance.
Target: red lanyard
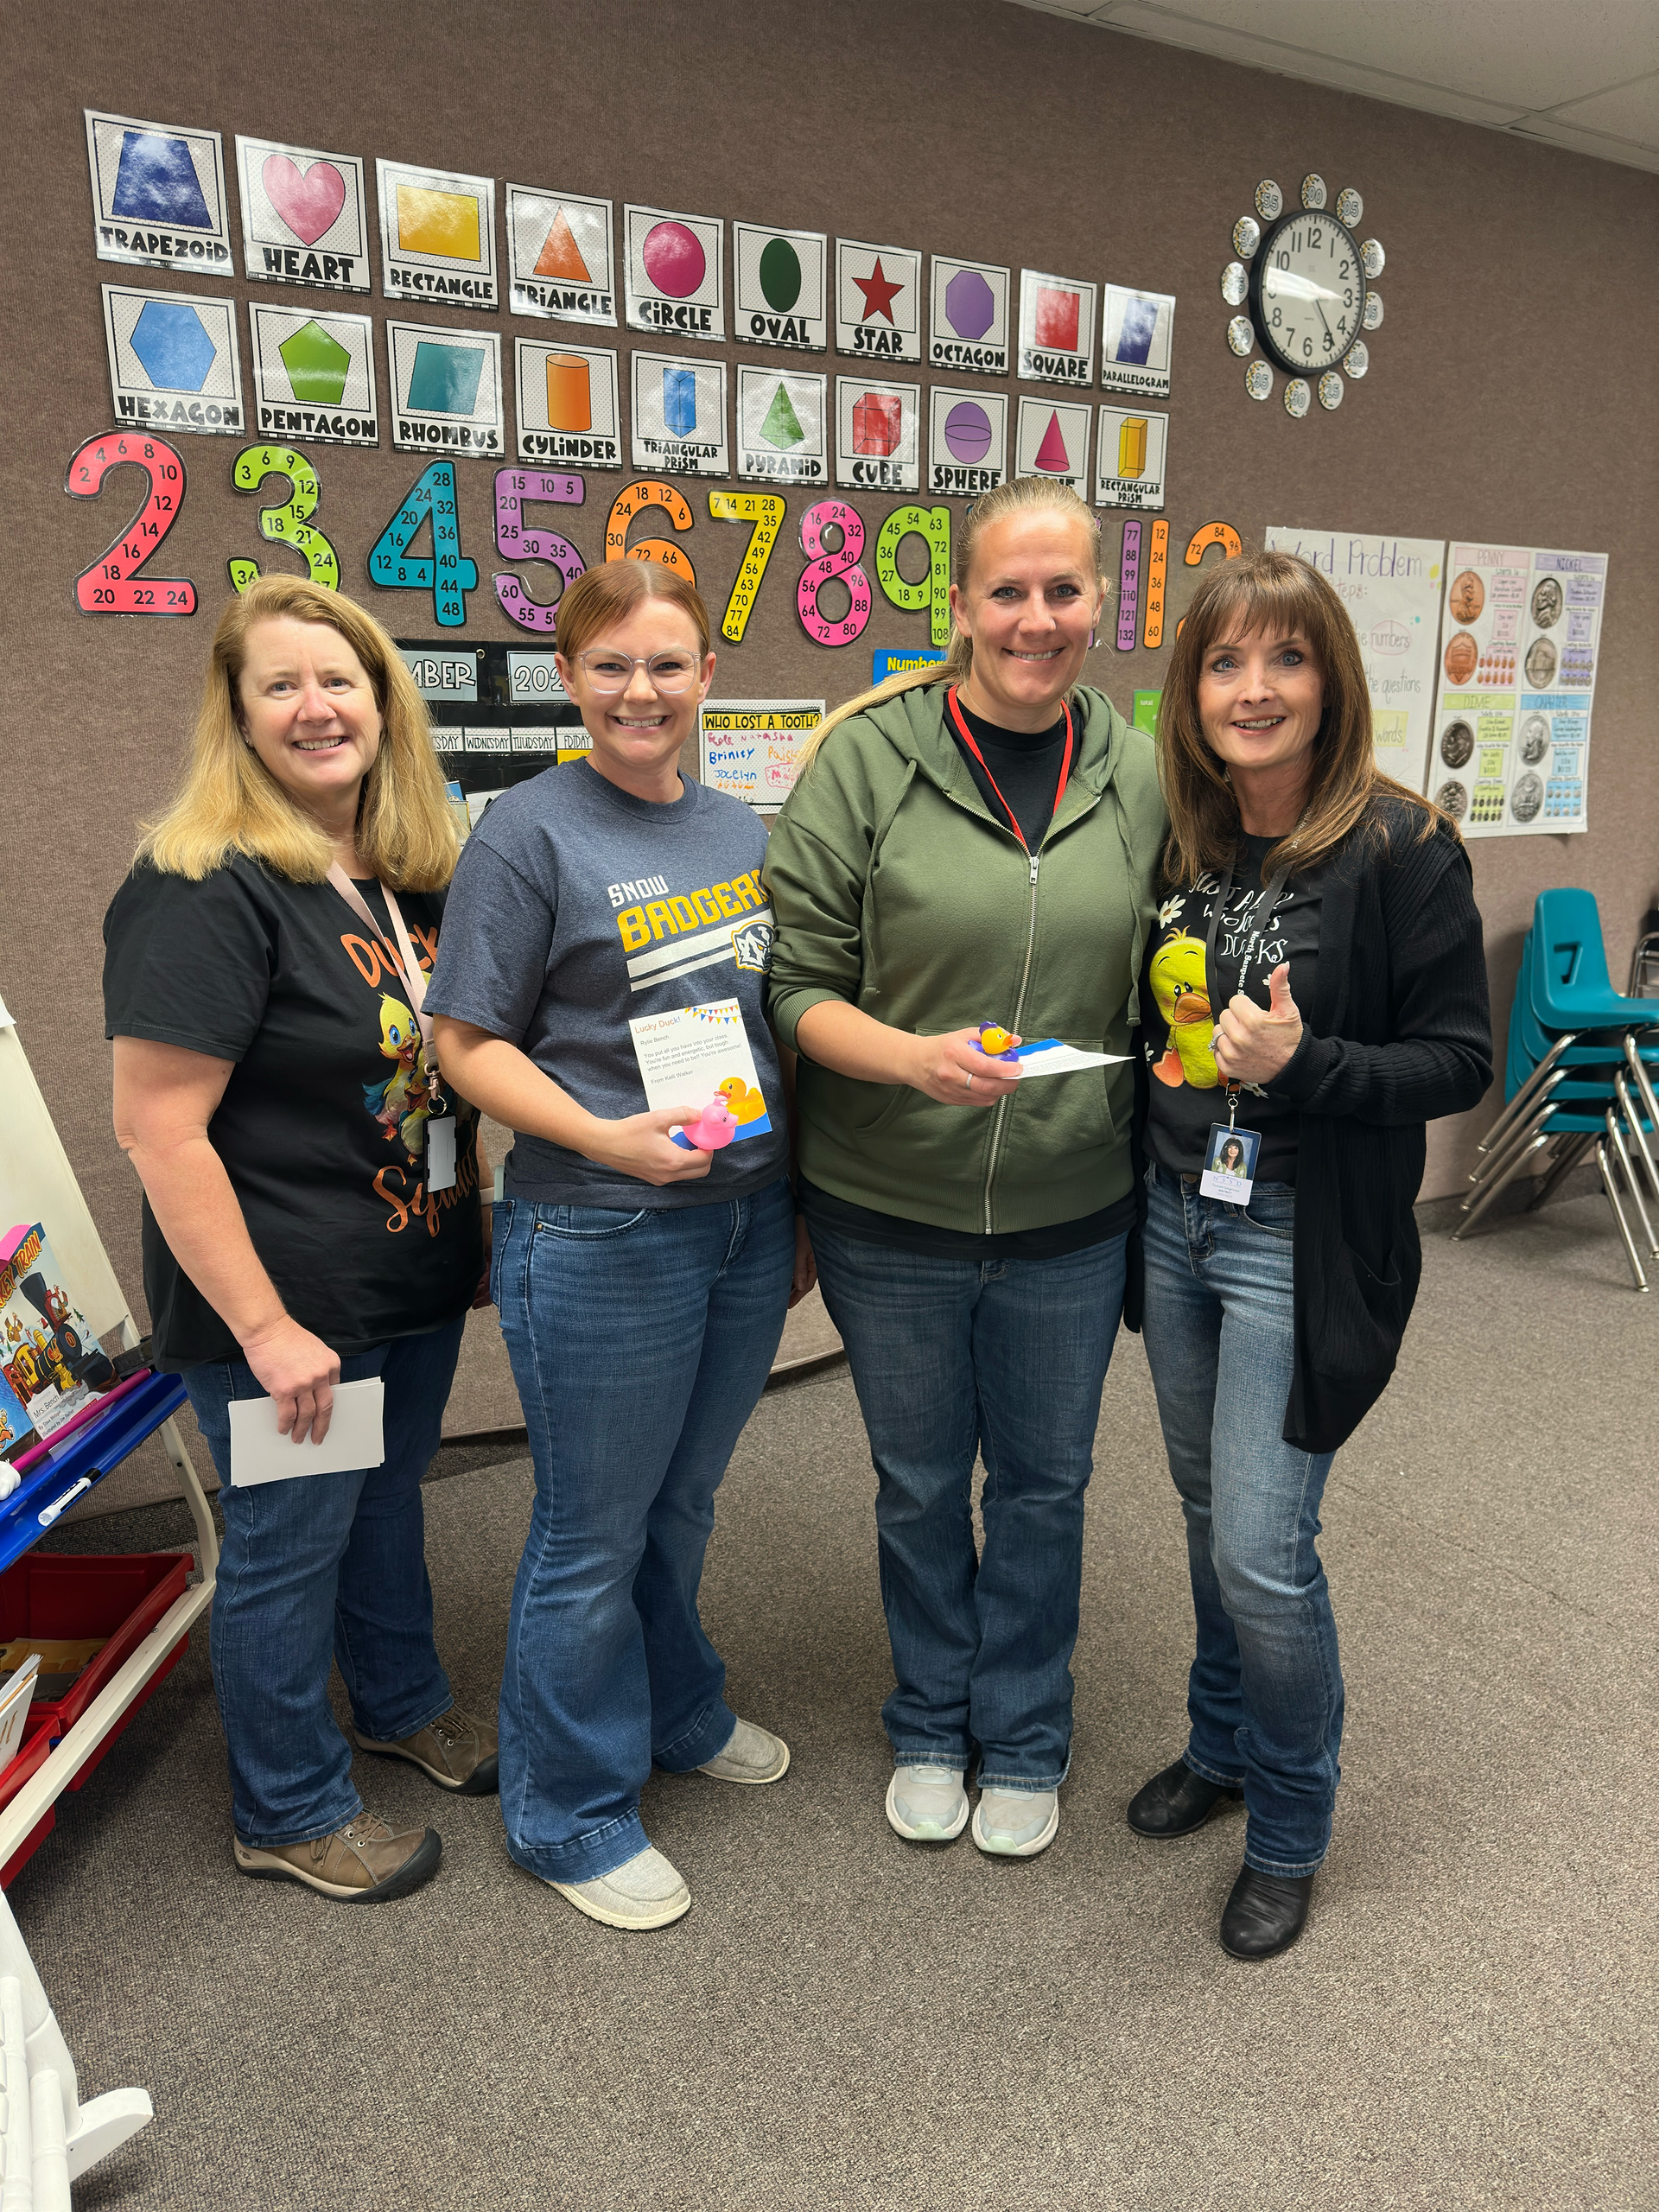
(967, 737)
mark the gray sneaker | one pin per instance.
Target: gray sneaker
(645, 1892)
(927, 1804)
(1016, 1823)
(751, 1755)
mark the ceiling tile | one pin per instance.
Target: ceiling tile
(1627, 112)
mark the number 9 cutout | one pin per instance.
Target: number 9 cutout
(112, 585)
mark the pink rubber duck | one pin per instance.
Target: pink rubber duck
(714, 1128)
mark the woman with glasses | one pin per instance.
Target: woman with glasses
(606, 924)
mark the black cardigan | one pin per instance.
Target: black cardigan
(1399, 1034)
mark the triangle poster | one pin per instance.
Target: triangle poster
(559, 255)
(781, 433)
(158, 194)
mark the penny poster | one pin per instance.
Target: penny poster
(1519, 640)
(1392, 586)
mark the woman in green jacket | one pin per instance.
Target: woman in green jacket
(968, 846)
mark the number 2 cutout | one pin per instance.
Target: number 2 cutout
(841, 565)
(290, 523)
(649, 493)
(515, 541)
(112, 585)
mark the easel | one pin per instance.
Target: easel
(38, 1183)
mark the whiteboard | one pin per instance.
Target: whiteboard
(38, 1183)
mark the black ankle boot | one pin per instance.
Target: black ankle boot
(1176, 1801)
(1265, 1914)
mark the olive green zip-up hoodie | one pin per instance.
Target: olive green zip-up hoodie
(894, 889)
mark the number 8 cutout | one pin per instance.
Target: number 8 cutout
(823, 566)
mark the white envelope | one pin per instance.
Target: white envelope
(1049, 1056)
(259, 1454)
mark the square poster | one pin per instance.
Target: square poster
(782, 427)
(1051, 439)
(779, 287)
(559, 255)
(679, 416)
(1130, 455)
(314, 375)
(877, 302)
(568, 404)
(968, 440)
(1137, 332)
(878, 435)
(674, 270)
(1057, 329)
(158, 194)
(446, 390)
(173, 360)
(304, 216)
(437, 235)
(968, 323)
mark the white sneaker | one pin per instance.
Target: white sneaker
(927, 1804)
(645, 1892)
(1016, 1823)
(752, 1754)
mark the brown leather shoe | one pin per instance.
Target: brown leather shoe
(360, 1863)
(456, 1752)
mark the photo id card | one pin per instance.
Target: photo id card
(1230, 1165)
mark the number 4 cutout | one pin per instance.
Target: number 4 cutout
(448, 574)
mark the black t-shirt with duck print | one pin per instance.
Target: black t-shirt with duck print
(1187, 1094)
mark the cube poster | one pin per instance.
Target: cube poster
(878, 435)
(1137, 331)
(1051, 439)
(877, 302)
(968, 440)
(446, 390)
(437, 235)
(782, 427)
(968, 324)
(1057, 329)
(674, 273)
(780, 286)
(313, 375)
(158, 194)
(559, 255)
(1131, 448)
(173, 360)
(304, 216)
(567, 406)
(679, 416)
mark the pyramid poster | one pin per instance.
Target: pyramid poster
(1051, 439)
(446, 390)
(437, 235)
(566, 404)
(173, 360)
(781, 427)
(1057, 329)
(779, 287)
(158, 194)
(679, 416)
(314, 375)
(968, 321)
(559, 255)
(304, 216)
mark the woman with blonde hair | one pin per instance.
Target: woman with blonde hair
(311, 1210)
(1319, 983)
(975, 845)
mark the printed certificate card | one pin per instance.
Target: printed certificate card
(699, 1054)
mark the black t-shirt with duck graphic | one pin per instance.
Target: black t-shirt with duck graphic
(1187, 1095)
(323, 1124)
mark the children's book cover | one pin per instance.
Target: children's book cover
(52, 1364)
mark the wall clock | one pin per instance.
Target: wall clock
(1304, 276)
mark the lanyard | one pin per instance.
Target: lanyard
(1254, 918)
(407, 968)
(967, 737)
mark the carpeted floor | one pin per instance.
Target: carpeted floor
(843, 2020)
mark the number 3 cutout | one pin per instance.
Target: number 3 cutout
(112, 585)
(290, 523)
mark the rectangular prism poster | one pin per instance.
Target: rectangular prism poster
(1131, 454)
(1392, 588)
(1520, 639)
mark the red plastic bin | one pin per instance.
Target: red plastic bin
(38, 1740)
(48, 1595)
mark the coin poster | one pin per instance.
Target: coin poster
(1519, 640)
(1392, 588)
(752, 747)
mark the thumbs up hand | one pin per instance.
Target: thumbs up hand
(1254, 1045)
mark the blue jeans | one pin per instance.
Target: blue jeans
(1005, 1359)
(1265, 1694)
(317, 1567)
(640, 1343)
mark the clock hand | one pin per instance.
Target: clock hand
(1329, 332)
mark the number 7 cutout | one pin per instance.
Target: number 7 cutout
(112, 585)
(290, 523)
(515, 541)
(764, 511)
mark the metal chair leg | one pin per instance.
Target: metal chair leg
(1543, 1078)
(1639, 1075)
(1477, 1205)
(1632, 1118)
(1603, 1162)
(1572, 1151)
(1516, 1145)
(1633, 1188)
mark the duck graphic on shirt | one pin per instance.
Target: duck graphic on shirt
(401, 1103)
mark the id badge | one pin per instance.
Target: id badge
(440, 1154)
(1230, 1164)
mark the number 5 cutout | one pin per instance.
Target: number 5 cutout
(112, 585)
(290, 523)
(514, 541)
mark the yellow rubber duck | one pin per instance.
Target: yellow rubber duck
(1178, 984)
(743, 1102)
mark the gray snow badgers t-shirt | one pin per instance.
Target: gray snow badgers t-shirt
(577, 908)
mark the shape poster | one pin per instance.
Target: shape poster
(1521, 637)
(1051, 439)
(968, 323)
(675, 273)
(679, 416)
(1136, 333)
(1131, 453)
(878, 442)
(158, 194)
(751, 748)
(304, 216)
(1392, 586)
(314, 375)
(559, 255)
(780, 286)
(783, 427)
(437, 235)
(568, 404)
(877, 302)
(968, 440)
(1057, 329)
(173, 360)
(446, 389)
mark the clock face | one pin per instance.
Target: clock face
(1307, 289)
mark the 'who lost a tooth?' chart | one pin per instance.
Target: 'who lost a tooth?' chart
(1519, 640)
(752, 747)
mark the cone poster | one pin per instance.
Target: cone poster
(1051, 439)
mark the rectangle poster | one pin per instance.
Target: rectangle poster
(1391, 587)
(751, 748)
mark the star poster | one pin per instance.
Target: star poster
(877, 302)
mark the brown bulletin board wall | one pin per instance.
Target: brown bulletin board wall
(1511, 397)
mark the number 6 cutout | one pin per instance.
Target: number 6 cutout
(290, 523)
(514, 541)
(650, 491)
(111, 584)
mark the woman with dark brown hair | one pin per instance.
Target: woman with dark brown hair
(1319, 974)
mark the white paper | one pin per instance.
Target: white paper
(1048, 1057)
(259, 1454)
(689, 1057)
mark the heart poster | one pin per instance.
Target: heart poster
(303, 218)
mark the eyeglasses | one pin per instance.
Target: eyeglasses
(607, 671)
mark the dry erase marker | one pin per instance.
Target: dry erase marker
(57, 1505)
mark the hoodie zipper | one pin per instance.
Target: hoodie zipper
(1000, 1111)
